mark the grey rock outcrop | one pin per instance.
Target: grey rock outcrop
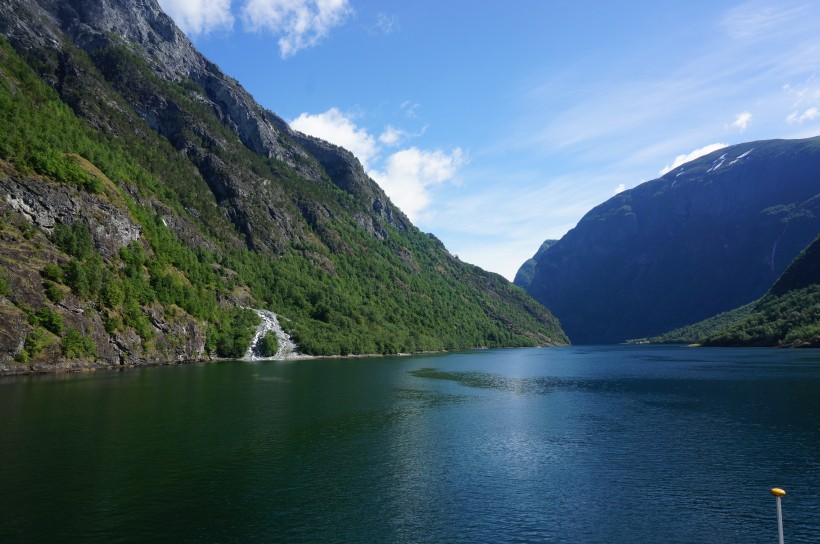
(46, 204)
(37, 205)
(142, 27)
(220, 203)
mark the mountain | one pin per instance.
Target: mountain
(788, 315)
(705, 238)
(803, 272)
(146, 199)
(523, 278)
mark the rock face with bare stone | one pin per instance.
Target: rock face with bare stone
(95, 25)
(185, 162)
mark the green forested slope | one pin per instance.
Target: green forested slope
(202, 226)
(695, 333)
(790, 319)
(788, 315)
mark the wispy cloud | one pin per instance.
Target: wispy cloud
(410, 109)
(760, 19)
(298, 23)
(680, 101)
(392, 136)
(742, 121)
(388, 24)
(809, 114)
(199, 16)
(805, 101)
(407, 175)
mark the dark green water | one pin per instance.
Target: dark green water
(583, 444)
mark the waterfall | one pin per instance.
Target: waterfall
(287, 347)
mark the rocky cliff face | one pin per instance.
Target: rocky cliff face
(46, 204)
(194, 202)
(707, 237)
(32, 207)
(141, 26)
(102, 27)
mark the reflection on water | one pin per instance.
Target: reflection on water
(485, 380)
(601, 445)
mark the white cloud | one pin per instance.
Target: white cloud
(808, 115)
(697, 153)
(392, 136)
(199, 16)
(409, 174)
(805, 100)
(338, 129)
(406, 175)
(742, 121)
(298, 23)
(619, 189)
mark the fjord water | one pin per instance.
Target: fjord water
(577, 444)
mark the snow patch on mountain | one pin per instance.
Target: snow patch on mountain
(718, 163)
(744, 155)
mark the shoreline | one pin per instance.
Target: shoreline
(10, 370)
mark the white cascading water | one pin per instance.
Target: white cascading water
(287, 347)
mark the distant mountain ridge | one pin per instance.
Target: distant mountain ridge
(707, 237)
(146, 198)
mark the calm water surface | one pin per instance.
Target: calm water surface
(583, 444)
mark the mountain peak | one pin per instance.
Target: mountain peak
(707, 237)
(147, 198)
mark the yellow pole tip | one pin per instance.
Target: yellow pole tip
(777, 492)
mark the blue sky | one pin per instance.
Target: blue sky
(498, 125)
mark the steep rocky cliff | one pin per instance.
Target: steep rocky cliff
(146, 197)
(136, 47)
(34, 207)
(707, 237)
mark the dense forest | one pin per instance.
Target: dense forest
(196, 255)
